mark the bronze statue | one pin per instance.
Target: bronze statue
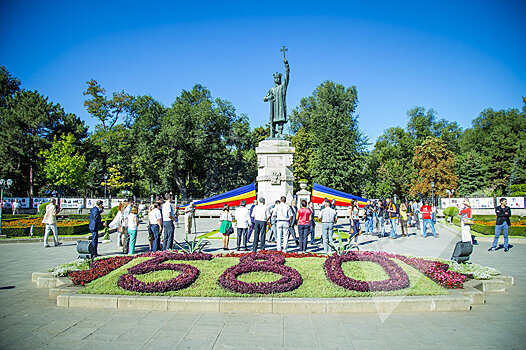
(277, 96)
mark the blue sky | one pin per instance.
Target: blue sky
(458, 57)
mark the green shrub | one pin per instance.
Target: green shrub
(489, 218)
(518, 190)
(42, 208)
(113, 212)
(78, 216)
(38, 231)
(490, 230)
(451, 211)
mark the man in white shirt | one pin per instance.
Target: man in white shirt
(283, 219)
(260, 215)
(243, 221)
(168, 222)
(328, 218)
(50, 220)
(155, 218)
(16, 207)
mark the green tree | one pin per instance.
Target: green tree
(8, 85)
(115, 179)
(496, 136)
(433, 162)
(471, 172)
(338, 155)
(64, 166)
(28, 124)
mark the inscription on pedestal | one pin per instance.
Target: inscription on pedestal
(274, 161)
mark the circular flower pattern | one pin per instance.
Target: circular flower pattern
(187, 276)
(398, 279)
(261, 262)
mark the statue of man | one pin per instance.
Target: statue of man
(277, 96)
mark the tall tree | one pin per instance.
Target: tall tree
(64, 165)
(496, 136)
(339, 145)
(433, 162)
(28, 124)
(8, 85)
(471, 172)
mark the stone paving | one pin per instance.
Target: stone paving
(28, 320)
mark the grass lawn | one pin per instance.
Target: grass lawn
(315, 283)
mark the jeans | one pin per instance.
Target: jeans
(355, 224)
(424, 228)
(369, 225)
(283, 234)
(155, 242)
(260, 235)
(312, 229)
(498, 228)
(53, 228)
(250, 229)
(292, 232)
(168, 238)
(327, 229)
(381, 233)
(242, 235)
(303, 231)
(273, 230)
(95, 240)
(133, 239)
(392, 234)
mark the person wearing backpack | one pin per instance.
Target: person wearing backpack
(392, 214)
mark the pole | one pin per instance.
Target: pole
(1, 206)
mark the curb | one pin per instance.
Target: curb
(474, 291)
(41, 239)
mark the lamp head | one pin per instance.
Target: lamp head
(9, 182)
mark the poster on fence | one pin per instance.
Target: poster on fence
(71, 203)
(482, 203)
(451, 202)
(39, 200)
(116, 201)
(91, 202)
(24, 202)
(515, 202)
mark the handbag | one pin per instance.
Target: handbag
(230, 231)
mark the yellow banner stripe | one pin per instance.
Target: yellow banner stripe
(338, 198)
(229, 199)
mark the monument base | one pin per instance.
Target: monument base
(275, 165)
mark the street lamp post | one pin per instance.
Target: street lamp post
(4, 184)
(151, 197)
(105, 184)
(433, 192)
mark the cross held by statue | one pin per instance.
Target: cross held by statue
(283, 50)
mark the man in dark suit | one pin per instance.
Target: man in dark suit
(94, 224)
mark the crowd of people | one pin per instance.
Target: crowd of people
(279, 220)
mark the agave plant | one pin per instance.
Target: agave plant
(194, 245)
(342, 247)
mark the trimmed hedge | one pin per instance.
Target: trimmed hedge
(488, 218)
(490, 230)
(40, 230)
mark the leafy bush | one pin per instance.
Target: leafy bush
(113, 212)
(78, 216)
(451, 211)
(42, 208)
(518, 190)
(490, 230)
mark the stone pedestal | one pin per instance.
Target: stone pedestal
(275, 178)
(303, 193)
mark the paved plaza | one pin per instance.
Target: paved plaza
(29, 320)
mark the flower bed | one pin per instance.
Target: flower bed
(98, 268)
(398, 279)
(488, 228)
(187, 276)
(301, 275)
(22, 227)
(257, 262)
